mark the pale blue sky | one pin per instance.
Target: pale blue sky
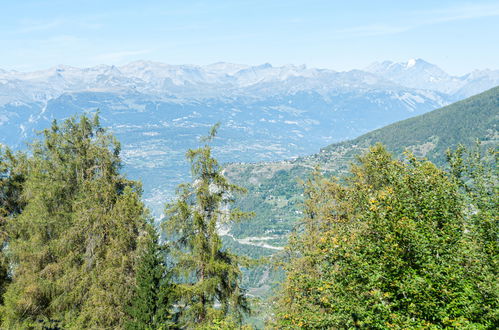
(456, 35)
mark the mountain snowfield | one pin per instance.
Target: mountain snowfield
(267, 113)
(227, 79)
(416, 73)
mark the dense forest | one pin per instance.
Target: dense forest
(392, 243)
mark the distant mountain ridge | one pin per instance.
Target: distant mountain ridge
(223, 79)
(158, 110)
(417, 73)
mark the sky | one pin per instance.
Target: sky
(458, 36)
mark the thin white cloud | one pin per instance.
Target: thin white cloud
(422, 18)
(463, 12)
(116, 57)
(30, 26)
(370, 30)
(63, 40)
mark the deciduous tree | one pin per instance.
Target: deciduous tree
(386, 246)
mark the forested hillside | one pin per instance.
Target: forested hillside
(276, 196)
(431, 134)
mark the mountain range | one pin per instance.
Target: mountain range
(229, 80)
(268, 113)
(417, 73)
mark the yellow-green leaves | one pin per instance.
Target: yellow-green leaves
(387, 246)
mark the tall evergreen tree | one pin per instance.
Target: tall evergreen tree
(208, 276)
(12, 177)
(151, 306)
(74, 248)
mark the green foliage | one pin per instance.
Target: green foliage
(276, 198)
(387, 246)
(431, 134)
(73, 248)
(224, 323)
(208, 276)
(476, 172)
(12, 178)
(151, 303)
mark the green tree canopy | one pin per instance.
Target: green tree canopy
(387, 246)
(208, 276)
(151, 306)
(73, 250)
(12, 178)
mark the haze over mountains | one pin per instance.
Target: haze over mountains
(267, 113)
(229, 80)
(417, 73)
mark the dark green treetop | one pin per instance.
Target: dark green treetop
(151, 306)
(208, 276)
(74, 248)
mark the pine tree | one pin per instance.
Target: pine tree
(152, 301)
(12, 177)
(208, 276)
(73, 250)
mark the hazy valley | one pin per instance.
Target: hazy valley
(267, 113)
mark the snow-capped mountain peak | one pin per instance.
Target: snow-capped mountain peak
(229, 79)
(410, 63)
(417, 73)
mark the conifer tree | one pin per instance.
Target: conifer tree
(477, 173)
(208, 276)
(11, 179)
(73, 250)
(11, 182)
(152, 300)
